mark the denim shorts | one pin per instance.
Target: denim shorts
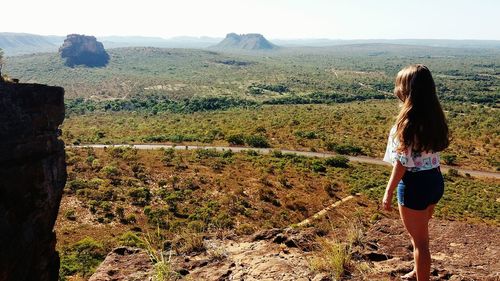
(418, 190)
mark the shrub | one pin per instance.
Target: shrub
(237, 139)
(257, 141)
(307, 135)
(245, 229)
(197, 226)
(317, 166)
(116, 152)
(130, 239)
(96, 164)
(162, 183)
(449, 159)
(155, 138)
(267, 195)
(81, 258)
(131, 218)
(70, 215)
(157, 217)
(190, 243)
(140, 196)
(331, 188)
(206, 212)
(337, 161)
(298, 205)
(120, 213)
(223, 220)
(348, 149)
(169, 152)
(453, 173)
(76, 184)
(227, 153)
(202, 153)
(252, 152)
(255, 90)
(218, 165)
(284, 182)
(110, 171)
(277, 153)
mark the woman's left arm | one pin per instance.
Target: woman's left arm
(397, 174)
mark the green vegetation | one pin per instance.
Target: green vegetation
(174, 197)
(337, 161)
(154, 105)
(332, 98)
(188, 194)
(348, 128)
(290, 76)
(81, 258)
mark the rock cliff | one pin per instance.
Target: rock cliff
(32, 177)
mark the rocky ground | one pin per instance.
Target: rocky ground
(460, 251)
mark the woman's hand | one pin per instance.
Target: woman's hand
(387, 201)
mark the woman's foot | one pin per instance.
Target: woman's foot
(412, 275)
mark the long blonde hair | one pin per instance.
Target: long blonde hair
(421, 123)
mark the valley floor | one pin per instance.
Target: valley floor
(360, 159)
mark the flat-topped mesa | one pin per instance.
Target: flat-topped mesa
(250, 41)
(32, 178)
(83, 50)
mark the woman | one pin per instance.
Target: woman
(413, 149)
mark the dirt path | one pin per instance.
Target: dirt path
(360, 159)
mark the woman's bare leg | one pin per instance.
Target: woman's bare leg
(412, 274)
(430, 209)
(417, 225)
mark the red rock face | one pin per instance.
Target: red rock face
(32, 178)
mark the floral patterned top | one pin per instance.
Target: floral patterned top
(412, 160)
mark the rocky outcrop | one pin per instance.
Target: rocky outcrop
(460, 252)
(251, 41)
(274, 254)
(124, 263)
(32, 177)
(83, 50)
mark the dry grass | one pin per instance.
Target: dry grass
(334, 258)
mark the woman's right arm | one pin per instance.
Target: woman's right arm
(397, 174)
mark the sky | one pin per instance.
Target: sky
(275, 19)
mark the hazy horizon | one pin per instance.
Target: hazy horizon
(278, 19)
(269, 38)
